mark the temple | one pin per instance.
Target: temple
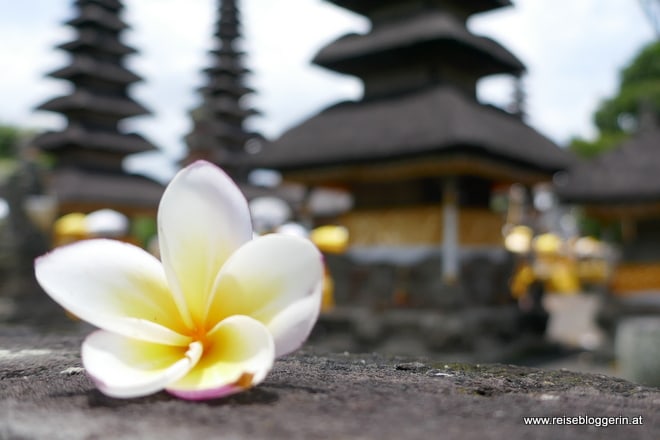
(421, 156)
(219, 134)
(621, 189)
(88, 153)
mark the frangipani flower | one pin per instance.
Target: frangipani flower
(206, 322)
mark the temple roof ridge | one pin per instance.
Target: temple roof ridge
(358, 131)
(427, 31)
(368, 7)
(92, 40)
(119, 107)
(89, 66)
(91, 13)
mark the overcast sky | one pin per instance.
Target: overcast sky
(573, 50)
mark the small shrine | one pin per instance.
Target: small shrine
(88, 153)
(621, 189)
(420, 155)
(219, 134)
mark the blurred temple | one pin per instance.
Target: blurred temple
(219, 134)
(420, 155)
(89, 152)
(621, 189)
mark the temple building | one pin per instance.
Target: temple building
(219, 134)
(621, 189)
(89, 152)
(419, 153)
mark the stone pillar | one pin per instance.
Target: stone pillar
(450, 245)
(638, 349)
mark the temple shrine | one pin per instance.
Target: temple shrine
(421, 156)
(88, 153)
(219, 134)
(621, 189)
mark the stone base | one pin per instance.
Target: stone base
(479, 333)
(45, 394)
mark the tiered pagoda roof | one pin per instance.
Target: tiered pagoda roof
(219, 133)
(399, 43)
(342, 142)
(90, 151)
(419, 116)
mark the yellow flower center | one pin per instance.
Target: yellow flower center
(198, 334)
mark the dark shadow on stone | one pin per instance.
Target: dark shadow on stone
(97, 399)
(68, 394)
(254, 396)
(286, 386)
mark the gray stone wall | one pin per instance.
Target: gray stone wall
(398, 276)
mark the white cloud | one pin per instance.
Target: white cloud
(573, 51)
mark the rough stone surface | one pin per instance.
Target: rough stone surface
(45, 394)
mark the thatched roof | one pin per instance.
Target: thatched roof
(217, 85)
(88, 66)
(86, 191)
(425, 37)
(436, 122)
(91, 39)
(219, 132)
(78, 137)
(471, 7)
(92, 13)
(80, 100)
(629, 174)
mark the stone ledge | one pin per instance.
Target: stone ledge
(44, 394)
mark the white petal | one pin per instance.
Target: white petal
(124, 367)
(277, 280)
(239, 352)
(202, 219)
(292, 325)
(114, 286)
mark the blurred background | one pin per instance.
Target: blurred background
(482, 175)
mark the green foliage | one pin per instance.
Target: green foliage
(9, 138)
(144, 229)
(588, 149)
(618, 117)
(7, 167)
(645, 67)
(620, 113)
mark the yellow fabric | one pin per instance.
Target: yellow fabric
(420, 225)
(522, 279)
(328, 299)
(69, 228)
(547, 244)
(563, 278)
(629, 278)
(558, 275)
(332, 239)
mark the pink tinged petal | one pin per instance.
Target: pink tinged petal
(124, 368)
(277, 280)
(115, 286)
(239, 352)
(202, 219)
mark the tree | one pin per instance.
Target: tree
(618, 117)
(10, 137)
